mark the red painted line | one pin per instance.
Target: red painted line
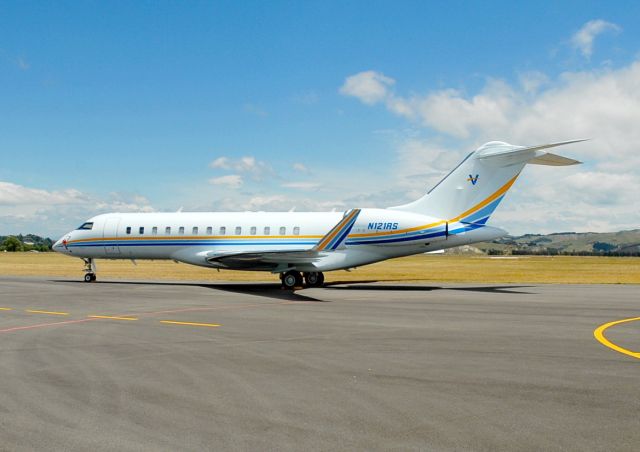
(43, 325)
(68, 322)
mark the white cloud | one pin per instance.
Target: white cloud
(532, 81)
(16, 195)
(368, 86)
(120, 202)
(300, 167)
(220, 162)
(247, 164)
(602, 104)
(584, 38)
(230, 180)
(302, 185)
(51, 213)
(268, 202)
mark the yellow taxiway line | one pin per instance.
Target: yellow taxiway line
(111, 317)
(34, 311)
(173, 322)
(598, 333)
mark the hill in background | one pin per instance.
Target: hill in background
(623, 243)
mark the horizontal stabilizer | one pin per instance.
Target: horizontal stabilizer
(550, 159)
(504, 154)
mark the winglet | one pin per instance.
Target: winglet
(336, 237)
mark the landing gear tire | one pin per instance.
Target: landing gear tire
(89, 277)
(291, 279)
(314, 279)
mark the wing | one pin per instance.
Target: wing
(271, 260)
(266, 260)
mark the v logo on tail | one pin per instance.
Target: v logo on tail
(472, 179)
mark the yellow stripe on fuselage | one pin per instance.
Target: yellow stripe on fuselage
(502, 190)
(337, 229)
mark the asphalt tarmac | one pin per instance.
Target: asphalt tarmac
(358, 366)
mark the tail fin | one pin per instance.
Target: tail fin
(473, 189)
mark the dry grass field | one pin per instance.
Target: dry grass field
(422, 268)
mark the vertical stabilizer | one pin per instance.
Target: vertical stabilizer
(472, 191)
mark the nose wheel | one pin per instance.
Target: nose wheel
(89, 270)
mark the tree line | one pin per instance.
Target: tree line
(29, 242)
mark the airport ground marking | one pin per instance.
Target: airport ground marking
(42, 325)
(173, 322)
(36, 311)
(112, 317)
(94, 318)
(598, 333)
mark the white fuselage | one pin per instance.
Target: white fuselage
(454, 212)
(198, 238)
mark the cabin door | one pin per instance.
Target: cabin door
(110, 236)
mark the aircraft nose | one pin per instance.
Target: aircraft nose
(60, 246)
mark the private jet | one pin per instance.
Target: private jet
(301, 246)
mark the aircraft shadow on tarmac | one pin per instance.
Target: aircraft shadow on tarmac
(269, 290)
(275, 291)
(363, 285)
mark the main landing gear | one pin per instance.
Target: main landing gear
(89, 270)
(293, 279)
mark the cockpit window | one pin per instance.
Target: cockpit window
(87, 226)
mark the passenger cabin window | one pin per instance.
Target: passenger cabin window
(238, 230)
(209, 230)
(167, 230)
(181, 230)
(141, 230)
(283, 230)
(195, 230)
(86, 226)
(223, 230)
(296, 230)
(267, 230)
(253, 230)
(154, 230)
(128, 229)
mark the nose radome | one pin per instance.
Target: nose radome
(59, 246)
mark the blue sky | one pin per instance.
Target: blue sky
(146, 106)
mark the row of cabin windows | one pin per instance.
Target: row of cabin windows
(222, 231)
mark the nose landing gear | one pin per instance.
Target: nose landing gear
(293, 279)
(89, 270)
